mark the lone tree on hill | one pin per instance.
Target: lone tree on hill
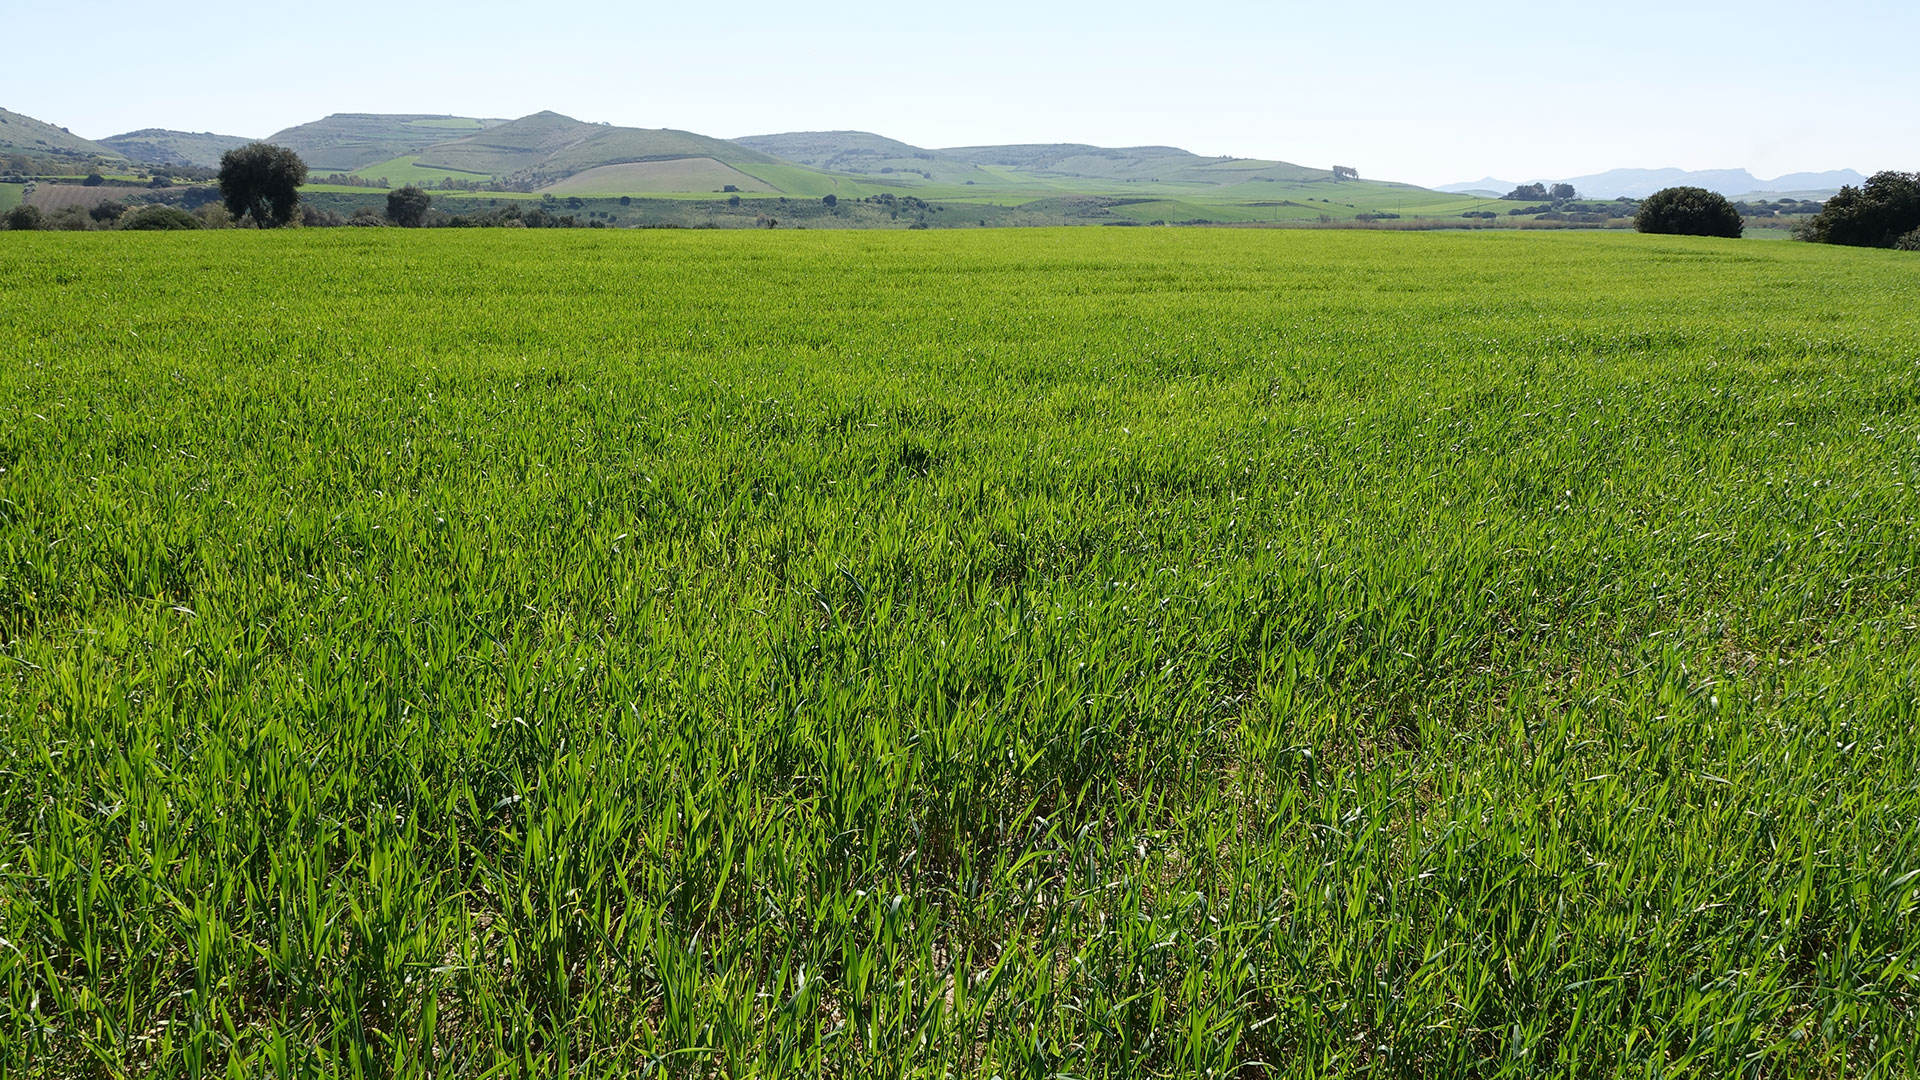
(1883, 212)
(262, 181)
(1688, 211)
(407, 207)
(1562, 191)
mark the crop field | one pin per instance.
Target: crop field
(798, 181)
(1097, 652)
(406, 169)
(50, 197)
(701, 175)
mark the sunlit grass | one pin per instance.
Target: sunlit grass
(1086, 652)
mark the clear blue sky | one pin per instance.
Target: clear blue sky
(1400, 89)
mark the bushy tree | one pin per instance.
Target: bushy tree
(1527, 192)
(407, 207)
(830, 200)
(262, 181)
(1909, 242)
(108, 211)
(1880, 213)
(158, 218)
(24, 218)
(1562, 191)
(213, 215)
(69, 219)
(1688, 211)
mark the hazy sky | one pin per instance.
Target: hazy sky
(1402, 90)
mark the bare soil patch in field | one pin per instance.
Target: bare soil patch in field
(49, 197)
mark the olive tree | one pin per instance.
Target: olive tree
(261, 181)
(407, 207)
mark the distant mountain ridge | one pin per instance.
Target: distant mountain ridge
(1639, 183)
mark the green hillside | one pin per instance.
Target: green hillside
(548, 153)
(1028, 171)
(1168, 164)
(158, 146)
(549, 146)
(865, 153)
(21, 134)
(345, 142)
(678, 175)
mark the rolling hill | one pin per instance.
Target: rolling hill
(594, 166)
(1165, 164)
(158, 146)
(552, 147)
(552, 154)
(867, 154)
(344, 142)
(21, 134)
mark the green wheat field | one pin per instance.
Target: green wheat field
(1065, 653)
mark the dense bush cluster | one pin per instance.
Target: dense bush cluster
(160, 218)
(1883, 212)
(1689, 211)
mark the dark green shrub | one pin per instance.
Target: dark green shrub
(159, 219)
(69, 219)
(1880, 213)
(407, 207)
(1688, 211)
(24, 218)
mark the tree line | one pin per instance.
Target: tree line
(1884, 212)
